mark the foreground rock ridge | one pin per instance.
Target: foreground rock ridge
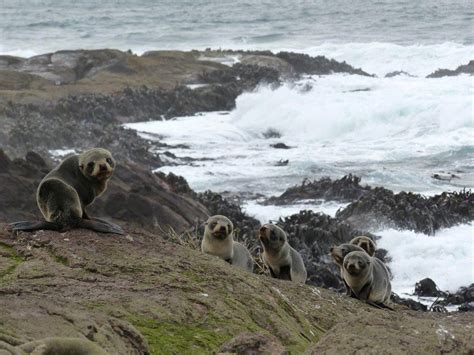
(140, 294)
(152, 291)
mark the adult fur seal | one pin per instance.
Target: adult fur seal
(339, 253)
(64, 193)
(218, 240)
(365, 243)
(367, 277)
(284, 262)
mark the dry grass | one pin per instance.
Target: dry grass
(186, 239)
(192, 240)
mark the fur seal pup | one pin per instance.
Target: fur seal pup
(64, 193)
(58, 345)
(284, 262)
(218, 240)
(368, 278)
(365, 243)
(339, 253)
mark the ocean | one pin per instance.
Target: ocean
(394, 132)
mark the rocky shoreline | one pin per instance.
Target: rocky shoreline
(80, 99)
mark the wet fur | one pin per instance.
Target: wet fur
(372, 282)
(365, 243)
(284, 262)
(64, 193)
(218, 240)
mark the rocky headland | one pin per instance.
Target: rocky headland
(151, 291)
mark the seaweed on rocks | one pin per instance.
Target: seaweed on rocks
(319, 65)
(347, 188)
(462, 69)
(406, 210)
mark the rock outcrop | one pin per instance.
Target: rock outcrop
(409, 211)
(140, 294)
(347, 188)
(134, 197)
(462, 69)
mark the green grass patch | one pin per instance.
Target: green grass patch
(178, 338)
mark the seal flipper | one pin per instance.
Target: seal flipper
(86, 216)
(285, 273)
(380, 305)
(100, 227)
(29, 226)
(272, 273)
(349, 291)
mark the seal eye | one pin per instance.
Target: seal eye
(212, 225)
(110, 161)
(90, 167)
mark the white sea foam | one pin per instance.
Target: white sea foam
(382, 58)
(447, 257)
(396, 134)
(265, 213)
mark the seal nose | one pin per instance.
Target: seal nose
(103, 167)
(223, 229)
(351, 268)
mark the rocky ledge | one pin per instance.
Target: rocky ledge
(142, 295)
(462, 69)
(373, 208)
(79, 99)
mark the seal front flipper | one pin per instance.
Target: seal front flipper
(103, 221)
(85, 215)
(100, 227)
(380, 305)
(285, 272)
(33, 226)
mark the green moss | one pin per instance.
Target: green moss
(175, 338)
(14, 259)
(61, 259)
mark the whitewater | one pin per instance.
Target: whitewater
(394, 132)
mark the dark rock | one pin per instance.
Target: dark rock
(462, 296)
(466, 307)
(444, 177)
(398, 73)
(462, 69)
(347, 188)
(305, 64)
(427, 288)
(4, 162)
(280, 146)
(414, 305)
(282, 162)
(407, 210)
(271, 133)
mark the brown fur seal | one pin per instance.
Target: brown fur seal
(218, 240)
(339, 253)
(365, 243)
(284, 262)
(64, 193)
(58, 345)
(367, 277)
